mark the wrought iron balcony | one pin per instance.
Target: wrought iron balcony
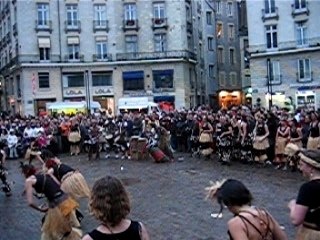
(14, 29)
(159, 23)
(72, 25)
(44, 25)
(189, 27)
(300, 9)
(268, 14)
(102, 57)
(70, 58)
(100, 25)
(155, 55)
(130, 24)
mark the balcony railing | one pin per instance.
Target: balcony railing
(100, 25)
(14, 29)
(301, 10)
(74, 25)
(102, 57)
(68, 59)
(131, 24)
(288, 45)
(43, 25)
(159, 23)
(155, 55)
(270, 14)
(189, 27)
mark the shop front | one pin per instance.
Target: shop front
(165, 102)
(105, 96)
(40, 105)
(229, 98)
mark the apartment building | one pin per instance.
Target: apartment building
(228, 53)
(72, 50)
(284, 43)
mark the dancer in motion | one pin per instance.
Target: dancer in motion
(60, 220)
(305, 209)
(248, 223)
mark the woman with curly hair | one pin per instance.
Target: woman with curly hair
(110, 204)
(248, 223)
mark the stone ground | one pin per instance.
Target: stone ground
(168, 198)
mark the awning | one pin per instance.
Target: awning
(73, 40)
(133, 75)
(164, 99)
(44, 42)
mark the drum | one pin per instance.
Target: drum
(158, 155)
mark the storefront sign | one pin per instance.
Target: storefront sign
(103, 91)
(73, 92)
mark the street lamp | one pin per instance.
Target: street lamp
(87, 85)
(269, 83)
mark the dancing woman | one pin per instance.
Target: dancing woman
(314, 136)
(245, 140)
(260, 140)
(248, 223)
(60, 220)
(3, 174)
(72, 181)
(206, 137)
(305, 209)
(283, 133)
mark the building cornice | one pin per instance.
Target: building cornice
(284, 52)
(99, 64)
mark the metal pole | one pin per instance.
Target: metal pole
(86, 77)
(269, 84)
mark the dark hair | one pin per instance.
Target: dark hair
(233, 193)
(46, 155)
(109, 201)
(27, 169)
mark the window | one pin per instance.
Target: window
(211, 71)
(222, 79)
(231, 56)
(130, 12)
(100, 16)
(163, 79)
(230, 9)
(158, 11)
(43, 15)
(300, 4)
(73, 48)
(219, 30)
(133, 81)
(72, 16)
(101, 50)
(210, 44)
(271, 34)
(231, 32)
(44, 48)
(131, 44)
(304, 68)
(209, 18)
(274, 72)
(233, 79)
(220, 55)
(188, 13)
(301, 31)
(101, 79)
(43, 78)
(190, 42)
(269, 6)
(219, 7)
(160, 42)
(73, 80)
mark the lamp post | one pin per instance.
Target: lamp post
(269, 83)
(87, 86)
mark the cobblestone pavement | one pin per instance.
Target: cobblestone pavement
(168, 198)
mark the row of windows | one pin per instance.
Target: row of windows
(233, 80)
(162, 79)
(221, 55)
(300, 35)
(270, 5)
(228, 8)
(220, 31)
(304, 72)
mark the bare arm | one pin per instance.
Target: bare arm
(297, 212)
(28, 189)
(278, 233)
(143, 234)
(86, 237)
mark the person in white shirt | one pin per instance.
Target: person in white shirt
(28, 131)
(12, 144)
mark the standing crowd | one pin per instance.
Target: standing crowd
(255, 136)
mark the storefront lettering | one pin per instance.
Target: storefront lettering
(73, 92)
(103, 91)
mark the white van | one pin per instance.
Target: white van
(140, 104)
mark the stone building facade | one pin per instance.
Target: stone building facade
(52, 50)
